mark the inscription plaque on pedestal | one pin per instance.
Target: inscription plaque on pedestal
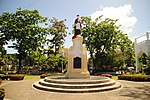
(77, 62)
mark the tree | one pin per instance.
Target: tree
(147, 67)
(145, 63)
(89, 35)
(34, 57)
(23, 27)
(103, 38)
(3, 41)
(58, 33)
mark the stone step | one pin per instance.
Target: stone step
(92, 80)
(76, 86)
(81, 90)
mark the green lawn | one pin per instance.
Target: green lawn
(115, 77)
(31, 77)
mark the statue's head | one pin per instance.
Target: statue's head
(78, 19)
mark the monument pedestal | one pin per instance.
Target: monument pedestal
(77, 60)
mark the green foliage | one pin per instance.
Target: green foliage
(58, 33)
(147, 66)
(145, 63)
(53, 60)
(23, 27)
(2, 43)
(35, 57)
(11, 59)
(107, 45)
(2, 51)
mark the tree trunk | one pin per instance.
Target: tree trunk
(92, 64)
(20, 65)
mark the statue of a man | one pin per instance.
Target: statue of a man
(77, 27)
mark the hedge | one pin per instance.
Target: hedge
(44, 75)
(4, 77)
(12, 77)
(16, 77)
(107, 75)
(134, 77)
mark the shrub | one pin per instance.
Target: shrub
(17, 77)
(4, 77)
(44, 75)
(107, 75)
(2, 93)
(134, 77)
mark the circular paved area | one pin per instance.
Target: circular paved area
(23, 90)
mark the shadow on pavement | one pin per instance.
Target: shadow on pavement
(140, 93)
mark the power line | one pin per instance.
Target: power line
(32, 3)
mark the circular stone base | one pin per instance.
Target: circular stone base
(91, 80)
(62, 84)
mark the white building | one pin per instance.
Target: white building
(142, 45)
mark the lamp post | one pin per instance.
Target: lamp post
(62, 66)
(62, 61)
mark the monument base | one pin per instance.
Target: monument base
(77, 75)
(77, 60)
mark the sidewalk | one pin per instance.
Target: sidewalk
(23, 90)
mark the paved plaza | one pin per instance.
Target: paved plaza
(23, 90)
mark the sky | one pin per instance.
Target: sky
(133, 15)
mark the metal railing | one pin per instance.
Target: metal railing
(142, 38)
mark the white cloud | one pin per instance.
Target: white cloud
(123, 13)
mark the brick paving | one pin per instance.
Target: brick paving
(23, 90)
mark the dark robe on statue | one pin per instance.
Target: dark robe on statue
(77, 28)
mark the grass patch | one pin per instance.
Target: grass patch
(31, 77)
(36, 77)
(115, 77)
